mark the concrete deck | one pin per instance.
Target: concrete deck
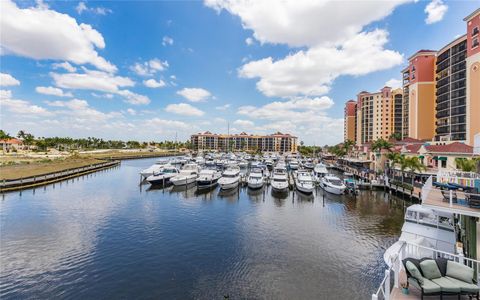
(415, 293)
(435, 200)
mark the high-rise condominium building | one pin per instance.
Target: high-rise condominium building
(349, 126)
(451, 104)
(277, 142)
(473, 76)
(397, 98)
(419, 96)
(375, 113)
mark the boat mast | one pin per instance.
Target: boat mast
(228, 137)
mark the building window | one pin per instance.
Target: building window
(475, 42)
(475, 31)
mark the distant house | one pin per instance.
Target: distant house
(10, 144)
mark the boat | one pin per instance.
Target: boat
(230, 178)
(188, 174)
(163, 176)
(426, 227)
(208, 178)
(320, 170)
(280, 179)
(269, 163)
(293, 164)
(332, 184)
(308, 165)
(255, 179)
(199, 160)
(243, 164)
(350, 186)
(304, 182)
(155, 168)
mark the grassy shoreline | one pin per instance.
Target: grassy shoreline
(22, 167)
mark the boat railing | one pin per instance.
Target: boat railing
(417, 251)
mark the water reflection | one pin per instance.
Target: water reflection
(106, 236)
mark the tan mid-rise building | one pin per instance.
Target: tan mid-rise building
(375, 115)
(349, 126)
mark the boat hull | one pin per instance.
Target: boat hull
(183, 181)
(255, 185)
(228, 185)
(205, 184)
(333, 190)
(279, 188)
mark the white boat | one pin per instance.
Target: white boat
(163, 176)
(255, 179)
(425, 227)
(188, 174)
(293, 165)
(208, 178)
(243, 164)
(320, 170)
(280, 179)
(308, 165)
(155, 168)
(304, 182)
(269, 163)
(230, 178)
(199, 160)
(332, 184)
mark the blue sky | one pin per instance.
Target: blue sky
(149, 69)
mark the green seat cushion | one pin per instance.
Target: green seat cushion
(447, 285)
(414, 271)
(464, 286)
(430, 269)
(459, 271)
(430, 287)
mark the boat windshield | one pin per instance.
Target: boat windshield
(229, 175)
(335, 181)
(169, 171)
(279, 179)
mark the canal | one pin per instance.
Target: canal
(102, 236)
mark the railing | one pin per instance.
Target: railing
(417, 251)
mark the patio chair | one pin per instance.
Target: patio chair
(446, 196)
(473, 200)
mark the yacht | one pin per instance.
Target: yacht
(155, 168)
(304, 182)
(188, 174)
(293, 164)
(280, 179)
(308, 165)
(199, 160)
(269, 163)
(230, 178)
(426, 227)
(208, 178)
(163, 176)
(255, 179)
(332, 184)
(320, 170)
(243, 163)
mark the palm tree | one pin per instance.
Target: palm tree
(396, 136)
(466, 165)
(379, 146)
(348, 145)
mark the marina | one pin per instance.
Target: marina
(134, 240)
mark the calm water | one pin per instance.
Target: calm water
(103, 237)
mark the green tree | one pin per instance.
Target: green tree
(396, 136)
(466, 165)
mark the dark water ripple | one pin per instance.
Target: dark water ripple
(102, 237)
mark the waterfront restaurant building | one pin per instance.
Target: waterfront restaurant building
(277, 142)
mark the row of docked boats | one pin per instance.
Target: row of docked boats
(274, 171)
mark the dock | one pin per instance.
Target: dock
(44, 179)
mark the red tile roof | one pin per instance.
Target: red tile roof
(413, 148)
(11, 141)
(455, 147)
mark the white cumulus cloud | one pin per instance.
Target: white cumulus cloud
(149, 68)
(41, 33)
(194, 94)
(8, 80)
(21, 107)
(435, 11)
(167, 41)
(65, 65)
(311, 72)
(53, 91)
(184, 109)
(394, 83)
(152, 83)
